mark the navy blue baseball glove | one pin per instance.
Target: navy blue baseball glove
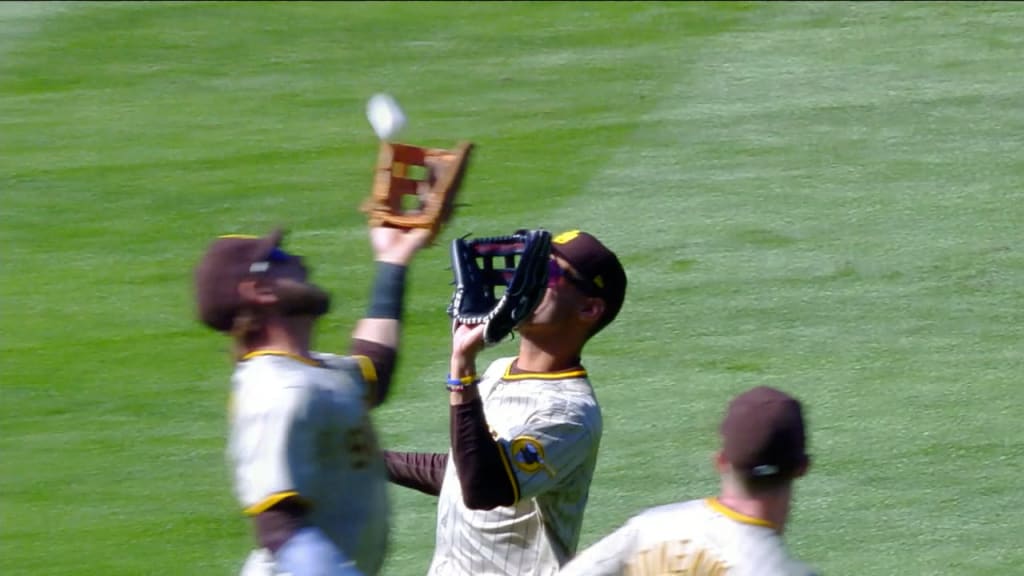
(499, 281)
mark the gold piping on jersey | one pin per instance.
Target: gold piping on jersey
(265, 504)
(528, 455)
(511, 474)
(242, 236)
(369, 372)
(303, 359)
(563, 375)
(366, 367)
(737, 516)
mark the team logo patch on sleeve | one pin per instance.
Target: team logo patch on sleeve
(528, 456)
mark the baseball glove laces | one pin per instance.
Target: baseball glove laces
(499, 280)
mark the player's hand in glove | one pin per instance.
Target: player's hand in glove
(499, 281)
(468, 341)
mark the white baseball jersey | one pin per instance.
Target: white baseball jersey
(301, 428)
(695, 538)
(549, 430)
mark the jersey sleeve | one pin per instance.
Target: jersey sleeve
(608, 557)
(547, 449)
(275, 448)
(358, 368)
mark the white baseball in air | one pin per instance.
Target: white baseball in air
(385, 115)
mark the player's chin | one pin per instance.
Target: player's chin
(541, 311)
(536, 318)
(537, 322)
(528, 325)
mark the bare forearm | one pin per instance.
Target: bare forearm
(376, 336)
(381, 331)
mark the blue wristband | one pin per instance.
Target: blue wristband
(460, 384)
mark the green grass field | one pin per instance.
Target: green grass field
(827, 198)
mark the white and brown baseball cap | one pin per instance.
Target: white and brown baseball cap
(763, 434)
(228, 261)
(600, 272)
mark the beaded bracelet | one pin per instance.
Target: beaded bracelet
(460, 384)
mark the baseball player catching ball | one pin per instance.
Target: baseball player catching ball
(739, 533)
(306, 464)
(525, 434)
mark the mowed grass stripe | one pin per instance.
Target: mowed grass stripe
(817, 196)
(546, 189)
(136, 132)
(831, 208)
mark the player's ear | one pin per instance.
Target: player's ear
(721, 464)
(591, 310)
(804, 467)
(254, 292)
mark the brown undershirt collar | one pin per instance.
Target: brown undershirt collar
(517, 373)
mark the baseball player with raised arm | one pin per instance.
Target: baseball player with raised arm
(307, 468)
(739, 533)
(524, 435)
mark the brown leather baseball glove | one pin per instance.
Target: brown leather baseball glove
(415, 187)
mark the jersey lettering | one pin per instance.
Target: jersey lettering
(302, 430)
(362, 445)
(675, 558)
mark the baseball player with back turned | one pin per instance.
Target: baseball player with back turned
(306, 464)
(739, 533)
(525, 435)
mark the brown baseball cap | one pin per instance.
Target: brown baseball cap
(763, 433)
(597, 266)
(228, 261)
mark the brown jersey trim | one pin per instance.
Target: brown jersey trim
(277, 525)
(422, 471)
(483, 468)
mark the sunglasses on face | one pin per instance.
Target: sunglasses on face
(278, 255)
(556, 273)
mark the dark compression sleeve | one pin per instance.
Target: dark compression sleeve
(423, 471)
(484, 472)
